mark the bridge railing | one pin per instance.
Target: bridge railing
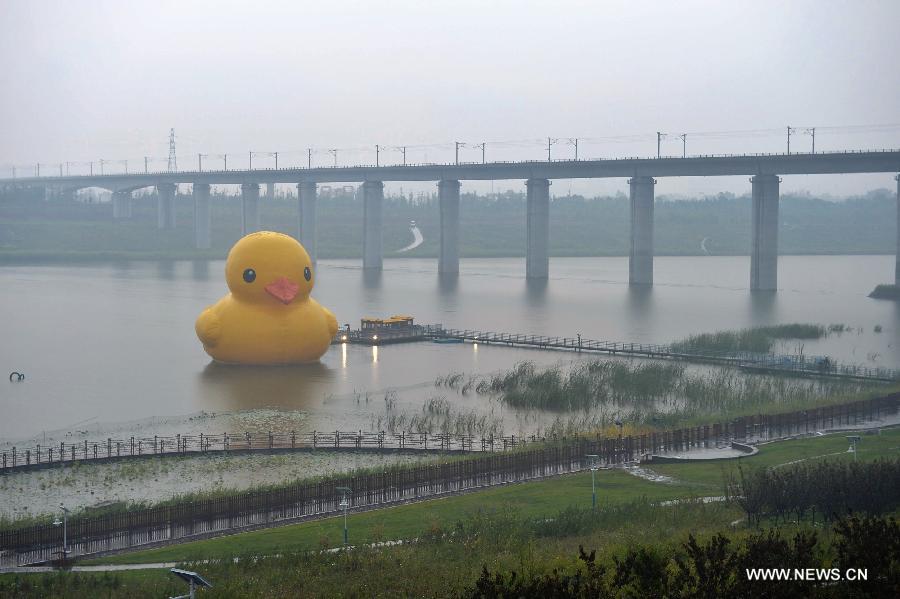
(455, 164)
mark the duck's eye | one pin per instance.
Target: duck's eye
(307, 273)
(249, 275)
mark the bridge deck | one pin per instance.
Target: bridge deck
(868, 161)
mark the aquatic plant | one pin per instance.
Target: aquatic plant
(655, 392)
(438, 416)
(755, 339)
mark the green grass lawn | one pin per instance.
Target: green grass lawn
(709, 475)
(526, 499)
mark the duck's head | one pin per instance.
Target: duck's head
(267, 267)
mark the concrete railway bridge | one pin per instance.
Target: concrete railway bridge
(642, 173)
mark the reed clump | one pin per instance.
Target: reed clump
(755, 339)
(661, 388)
(438, 416)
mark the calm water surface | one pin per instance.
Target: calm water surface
(105, 346)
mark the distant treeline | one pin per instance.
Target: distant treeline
(491, 226)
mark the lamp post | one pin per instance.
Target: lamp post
(619, 449)
(345, 503)
(594, 460)
(194, 581)
(65, 525)
(854, 441)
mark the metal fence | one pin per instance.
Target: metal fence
(112, 449)
(254, 509)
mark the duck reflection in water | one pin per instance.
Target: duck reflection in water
(290, 387)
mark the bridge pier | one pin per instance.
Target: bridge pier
(373, 197)
(537, 229)
(249, 208)
(764, 233)
(640, 259)
(270, 191)
(448, 201)
(165, 205)
(121, 201)
(306, 209)
(897, 262)
(202, 227)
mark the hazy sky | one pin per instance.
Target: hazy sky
(88, 80)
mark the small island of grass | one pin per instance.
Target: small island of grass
(887, 291)
(755, 339)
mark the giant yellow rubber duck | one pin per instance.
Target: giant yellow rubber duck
(268, 318)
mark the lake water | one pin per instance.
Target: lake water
(110, 348)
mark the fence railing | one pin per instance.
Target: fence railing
(252, 509)
(111, 449)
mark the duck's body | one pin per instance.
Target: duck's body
(268, 318)
(252, 334)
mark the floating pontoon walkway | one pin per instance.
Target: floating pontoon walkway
(762, 362)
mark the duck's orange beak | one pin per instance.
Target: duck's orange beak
(283, 289)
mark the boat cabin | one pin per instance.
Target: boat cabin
(398, 321)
